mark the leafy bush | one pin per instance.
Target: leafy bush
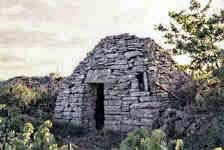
(19, 95)
(26, 104)
(31, 139)
(142, 139)
(210, 105)
(211, 97)
(134, 139)
(20, 104)
(209, 137)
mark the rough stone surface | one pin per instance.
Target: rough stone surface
(116, 61)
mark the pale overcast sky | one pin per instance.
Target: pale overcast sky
(43, 36)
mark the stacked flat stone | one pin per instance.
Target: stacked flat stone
(115, 62)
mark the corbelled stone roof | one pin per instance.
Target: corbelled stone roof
(115, 62)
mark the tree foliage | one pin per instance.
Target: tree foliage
(199, 34)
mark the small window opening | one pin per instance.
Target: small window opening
(140, 78)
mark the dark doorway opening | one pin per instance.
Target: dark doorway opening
(99, 111)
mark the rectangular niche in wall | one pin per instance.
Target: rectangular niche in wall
(142, 78)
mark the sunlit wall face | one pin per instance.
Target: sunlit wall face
(43, 36)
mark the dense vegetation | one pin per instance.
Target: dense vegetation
(142, 139)
(26, 105)
(199, 33)
(30, 138)
(25, 112)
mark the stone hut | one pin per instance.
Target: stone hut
(120, 85)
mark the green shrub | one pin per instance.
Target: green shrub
(210, 105)
(19, 95)
(208, 138)
(26, 104)
(141, 139)
(31, 139)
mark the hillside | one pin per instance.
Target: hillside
(48, 84)
(30, 98)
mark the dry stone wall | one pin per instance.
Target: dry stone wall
(116, 62)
